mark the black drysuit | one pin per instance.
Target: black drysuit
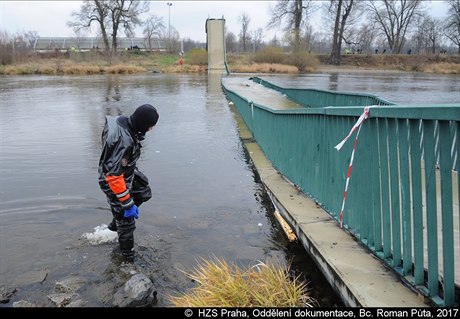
(120, 180)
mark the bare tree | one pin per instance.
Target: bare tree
(79, 38)
(420, 40)
(109, 15)
(6, 48)
(31, 37)
(321, 42)
(231, 43)
(172, 40)
(433, 31)
(417, 40)
(393, 18)
(257, 38)
(245, 37)
(125, 14)
(274, 42)
(154, 28)
(365, 36)
(309, 36)
(294, 14)
(341, 10)
(452, 23)
(190, 44)
(92, 11)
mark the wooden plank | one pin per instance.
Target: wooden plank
(286, 228)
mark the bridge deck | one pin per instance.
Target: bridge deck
(259, 94)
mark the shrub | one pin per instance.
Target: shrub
(197, 57)
(270, 55)
(304, 61)
(224, 285)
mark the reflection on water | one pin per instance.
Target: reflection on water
(113, 88)
(333, 78)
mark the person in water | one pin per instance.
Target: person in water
(125, 187)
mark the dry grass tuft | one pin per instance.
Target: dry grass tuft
(18, 70)
(442, 68)
(263, 68)
(225, 285)
(186, 68)
(81, 69)
(123, 69)
(59, 66)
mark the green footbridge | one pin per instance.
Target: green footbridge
(394, 191)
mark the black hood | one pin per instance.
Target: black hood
(144, 117)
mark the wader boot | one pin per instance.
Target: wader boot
(125, 229)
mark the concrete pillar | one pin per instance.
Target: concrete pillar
(215, 45)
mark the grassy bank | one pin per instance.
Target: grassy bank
(439, 63)
(196, 62)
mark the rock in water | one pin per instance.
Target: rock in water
(138, 291)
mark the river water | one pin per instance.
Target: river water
(207, 200)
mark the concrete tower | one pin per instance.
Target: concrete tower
(215, 45)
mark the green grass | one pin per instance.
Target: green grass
(168, 59)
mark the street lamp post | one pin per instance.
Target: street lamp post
(169, 21)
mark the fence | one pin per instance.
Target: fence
(96, 43)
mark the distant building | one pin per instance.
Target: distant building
(46, 44)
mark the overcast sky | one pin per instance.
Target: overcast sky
(50, 18)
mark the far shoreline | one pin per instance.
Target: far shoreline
(325, 68)
(170, 64)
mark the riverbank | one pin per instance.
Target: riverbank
(327, 68)
(94, 63)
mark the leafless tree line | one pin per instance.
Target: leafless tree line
(393, 26)
(19, 46)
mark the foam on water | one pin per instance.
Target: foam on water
(100, 235)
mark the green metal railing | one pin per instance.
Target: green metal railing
(403, 193)
(321, 98)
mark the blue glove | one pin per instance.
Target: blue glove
(132, 212)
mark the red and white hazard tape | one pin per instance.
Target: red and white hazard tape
(357, 125)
